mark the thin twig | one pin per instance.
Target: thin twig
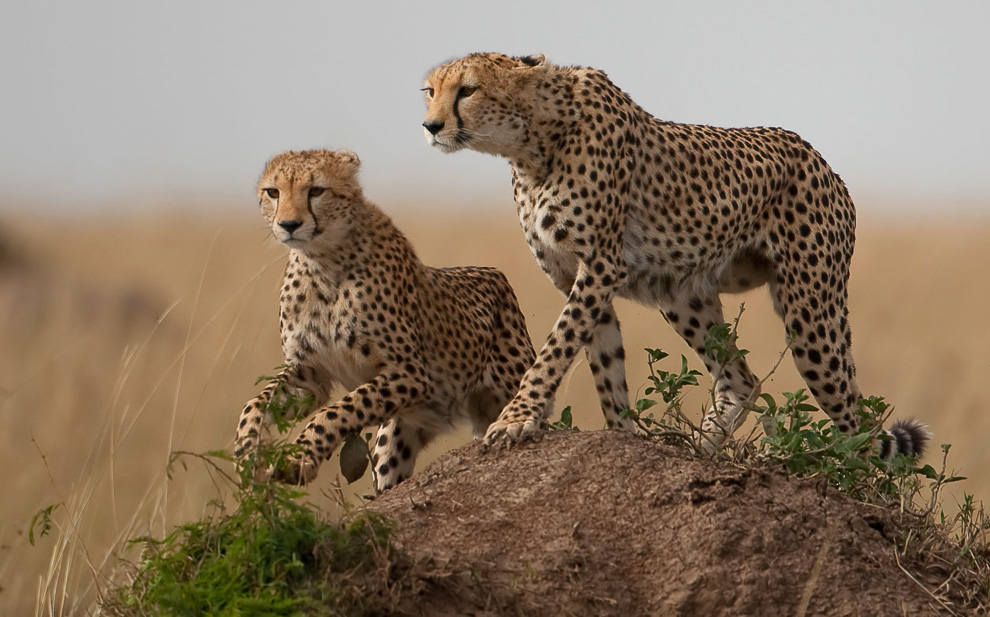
(897, 559)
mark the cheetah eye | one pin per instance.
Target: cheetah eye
(466, 91)
(428, 91)
(272, 193)
(316, 191)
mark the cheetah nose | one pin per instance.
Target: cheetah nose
(290, 225)
(433, 126)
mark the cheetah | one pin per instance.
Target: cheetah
(615, 202)
(419, 348)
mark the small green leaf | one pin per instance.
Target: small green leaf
(43, 521)
(656, 354)
(854, 462)
(565, 417)
(644, 403)
(858, 442)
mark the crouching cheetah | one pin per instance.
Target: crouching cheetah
(616, 202)
(419, 348)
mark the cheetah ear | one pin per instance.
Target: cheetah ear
(348, 167)
(349, 157)
(538, 60)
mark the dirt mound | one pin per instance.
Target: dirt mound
(605, 523)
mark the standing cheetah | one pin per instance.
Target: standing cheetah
(419, 348)
(615, 202)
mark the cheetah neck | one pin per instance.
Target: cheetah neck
(549, 112)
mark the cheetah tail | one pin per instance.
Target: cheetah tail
(909, 437)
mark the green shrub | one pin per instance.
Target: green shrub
(272, 555)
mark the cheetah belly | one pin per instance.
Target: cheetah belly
(435, 419)
(658, 270)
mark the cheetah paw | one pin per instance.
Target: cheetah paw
(294, 470)
(250, 462)
(514, 431)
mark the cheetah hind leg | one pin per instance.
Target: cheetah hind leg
(735, 388)
(722, 420)
(734, 383)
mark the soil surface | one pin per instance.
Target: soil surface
(606, 523)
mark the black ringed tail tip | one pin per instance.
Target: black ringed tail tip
(909, 437)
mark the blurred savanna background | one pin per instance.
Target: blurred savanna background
(139, 284)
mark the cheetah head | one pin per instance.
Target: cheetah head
(308, 196)
(480, 102)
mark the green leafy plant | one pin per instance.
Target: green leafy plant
(671, 424)
(271, 555)
(809, 447)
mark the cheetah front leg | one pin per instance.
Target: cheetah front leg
(606, 358)
(289, 386)
(590, 296)
(375, 402)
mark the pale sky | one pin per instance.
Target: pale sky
(124, 104)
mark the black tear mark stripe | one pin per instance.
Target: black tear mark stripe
(316, 223)
(457, 113)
